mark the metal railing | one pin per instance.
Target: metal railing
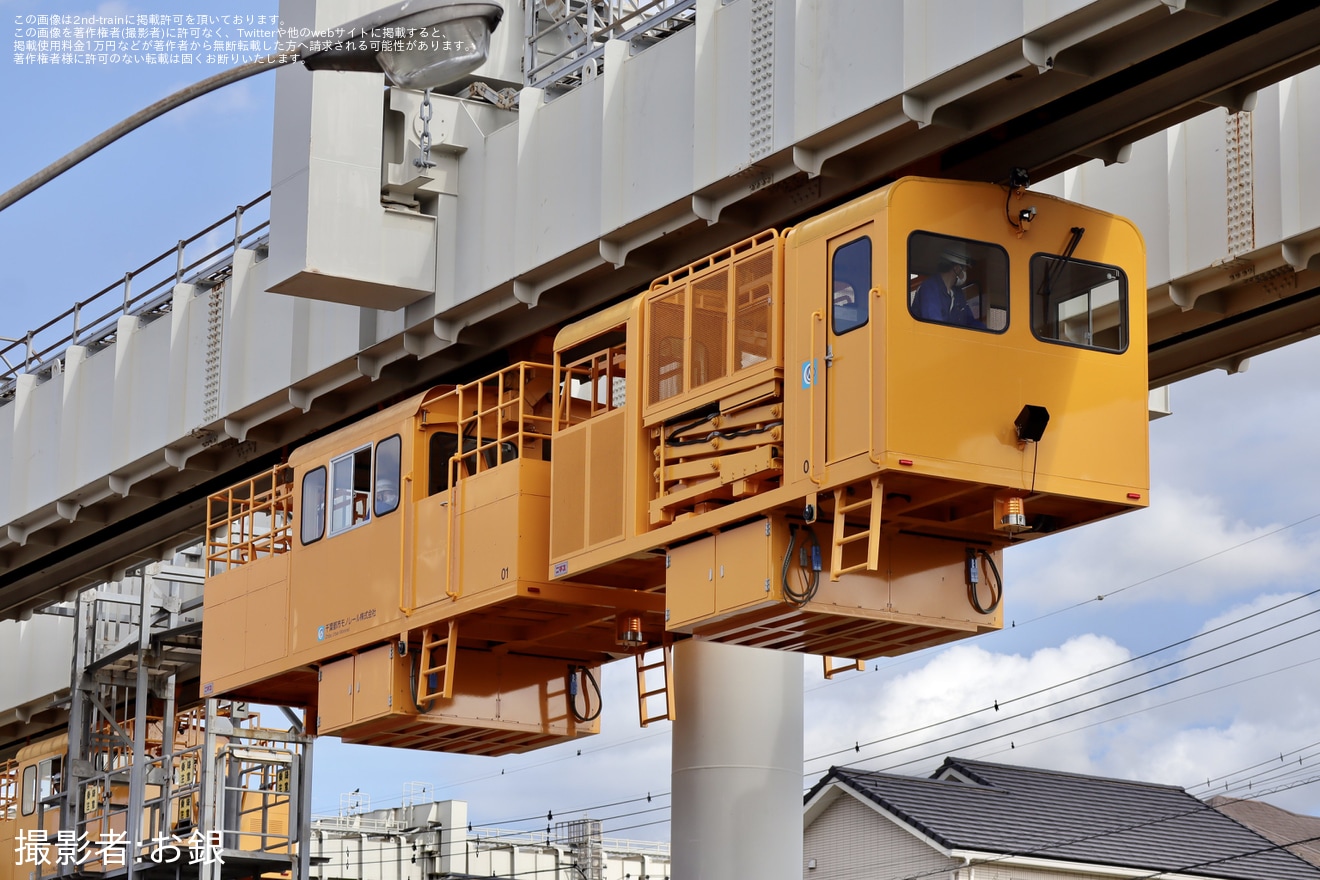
(259, 807)
(496, 418)
(494, 838)
(147, 291)
(249, 521)
(592, 386)
(8, 789)
(566, 38)
(364, 824)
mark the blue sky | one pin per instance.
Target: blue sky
(1230, 531)
(138, 197)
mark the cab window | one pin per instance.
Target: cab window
(958, 282)
(850, 284)
(29, 789)
(350, 489)
(387, 475)
(50, 778)
(441, 448)
(312, 506)
(41, 781)
(1079, 303)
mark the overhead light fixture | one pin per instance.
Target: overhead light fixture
(1010, 512)
(417, 44)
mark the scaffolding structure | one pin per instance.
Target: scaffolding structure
(566, 38)
(152, 778)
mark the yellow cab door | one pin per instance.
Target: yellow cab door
(850, 326)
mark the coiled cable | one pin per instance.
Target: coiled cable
(589, 678)
(996, 589)
(808, 567)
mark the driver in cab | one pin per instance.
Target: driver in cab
(940, 297)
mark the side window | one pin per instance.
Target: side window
(850, 280)
(443, 447)
(387, 475)
(1079, 303)
(51, 778)
(29, 804)
(312, 506)
(440, 450)
(350, 489)
(957, 281)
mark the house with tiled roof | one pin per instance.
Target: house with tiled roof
(974, 820)
(1301, 834)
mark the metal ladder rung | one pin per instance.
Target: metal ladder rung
(831, 670)
(871, 533)
(666, 665)
(443, 670)
(856, 505)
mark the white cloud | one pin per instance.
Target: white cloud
(963, 679)
(1244, 721)
(1227, 469)
(1186, 547)
(1182, 733)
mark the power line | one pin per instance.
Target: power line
(580, 752)
(1000, 704)
(1179, 643)
(1044, 850)
(1081, 711)
(1173, 570)
(1258, 764)
(928, 742)
(1193, 696)
(912, 658)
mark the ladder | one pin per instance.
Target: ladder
(871, 534)
(831, 669)
(435, 678)
(644, 693)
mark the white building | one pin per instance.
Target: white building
(433, 841)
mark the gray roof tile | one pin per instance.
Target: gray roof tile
(1067, 816)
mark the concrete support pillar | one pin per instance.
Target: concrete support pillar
(737, 763)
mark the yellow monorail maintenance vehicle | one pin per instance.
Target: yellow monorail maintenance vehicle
(819, 439)
(254, 797)
(836, 429)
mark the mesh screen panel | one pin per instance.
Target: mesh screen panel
(605, 501)
(568, 493)
(665, 369)
(752, 321)
(710, 329)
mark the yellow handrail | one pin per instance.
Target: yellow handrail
(817, 315)
(8, 789)
(406, 545)
(482, 421)
(870, 397)
(449, 527)
(232, 535)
